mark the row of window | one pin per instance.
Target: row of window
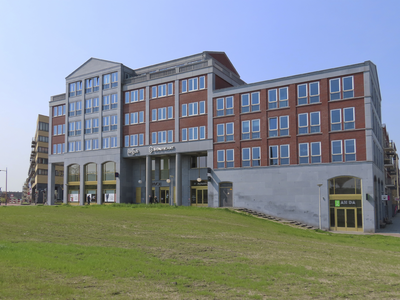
(92, 84)
(193, 133)
(59, 129)
(134, 140)
(163, 113)
(92, 105)
(280, 155)
(340, 88)
(110, 123)
(134, 96)
(279, 126)
(42, 138)
(89, 144)
(59, 110)
(134, 118)
(162, 137)
(193, 84)
(162, 90)
(193, 109)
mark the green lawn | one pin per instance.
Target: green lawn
(162, 252)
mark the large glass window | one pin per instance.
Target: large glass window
(91, 172)
(273, 127)
(303, 153)
(285, 154)
(283, 125)
(109, 171)
(348, 118)
(73, 173)
(337, 154)
(350, 150)
(273, 155)
(303, 123)
(164, 168)
(336, 119)
(315, 122)
(315, 152)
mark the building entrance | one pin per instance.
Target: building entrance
(225, 194)
(199, 193)
(164, 195)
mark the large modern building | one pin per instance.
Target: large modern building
(307, 147)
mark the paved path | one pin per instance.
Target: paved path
(391, 229)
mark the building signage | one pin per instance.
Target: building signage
(345, 203)
(385, 197)
(156, 149)
(132, 151)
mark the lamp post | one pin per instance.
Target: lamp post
(6, 183)
(319, 186)
(171, 184)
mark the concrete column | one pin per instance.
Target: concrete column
(65, 185)
(82, 199)
(99, 183)
(178, 179)
(148, 178)
(51, 184)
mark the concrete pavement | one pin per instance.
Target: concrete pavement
(391, 229)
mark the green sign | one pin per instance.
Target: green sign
(337, 203)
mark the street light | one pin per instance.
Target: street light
(6, 183)
(170, 182)
(319, 186)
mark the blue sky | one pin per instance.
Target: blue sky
(42, 42)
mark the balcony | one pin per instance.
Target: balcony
(390, 146)
(390, 183)
(389, 162)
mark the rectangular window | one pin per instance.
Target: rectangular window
(283, 125)
(170, 112)
(315, 122)
(337, 151)
(283, 97)
(255, 101)
(303, 153)
(95, 125)
(88, 145)
(350, 150)
(202, 105)
(55, 111)
(141, 94)
(246, 157)
(184, 110)
(162, 137)
(162, 90)
(154, 92)
(71, 147)
(71, 111)
(141, 139)
(127, 97)
(220, 107)
(114, 79)
(95, 144)
(114, 101)
(141, 116)
(315, 152)
(55, 130)
(229, 131)
(106, 102)
(273, 155)
(95, 103)
(230, 158)
(106, 123)
(336, 119)
(303, 123)
(184, 134)
(245, 130)
(193, 84)
(170, 136)
(88, 126)
(162, 113)
(193, 133)
(255, 129)
(96, 84)
(170, 88)
(348, 118)
(220, 132)
(134, 140)
(272, 99)
(334, 89)
(60, 129)
(88, 106)
(126, 119)
(202, 132)
(314, 92)
(302, 94)
(114, 122)
(285, 155)
(154, 138)
(106, 143)
(78, 146)
(71, 129)
(229, 105)
(78, 106)
(245, 103)
(60, 110)
(220, 159)
(106, 81)
(88, 85)
(126, 141)
(193, 109)
(78, 127)
(154, 114)
(273, 127)
(134, 96)
(184, 86)
(202, 82)
(256, 156)
(348, 87)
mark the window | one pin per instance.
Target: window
(141, 139)
(71, 147)
(95, 125)
(134, 96)
(184, 134)
(141, 116)
(274, 102)
(273, 127)
(88, 126)
(162, 137)
(154, 138)
(126, 141)
(74, 128)
(106, 123)
(162, 90)
(315, 123)
(255, 129)
(285, 155)
(245, 103)
(202, 105)
(78, 146)
(154, 114)
(126, 119)
(106, 143)
(91, 85)
(229, 162)
(220, 132)
(193, 133)
(162, 113)
(170, 136)
(88, 106)
(283, 125)
(184, 86)
(337, 154)
(106, 102)
(71, 110)
(134, 140)
(348, 119)
(303, 153)
(114, 79)
(88, 145)
(350, 150)
(113, 141)
(193, 86)
(106, 81)
(114, 122)
(202, 132)
(347, 91)
(193, 109)
(96, 84)
(114, 101)
(170, 88)
(134, 118)
(255, 101)
(315, 152)
(225, 135)
(221, 159)
(75, 89)
(170, 112)
(95, 144)
(184, 110)
(95, 103)
(202, 82)
(273, 155)
(225, 106)
(220, 107)
(303, 97)
(250, 102)
(246, 157)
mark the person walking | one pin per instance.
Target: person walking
(88, 199)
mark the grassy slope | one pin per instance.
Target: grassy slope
(137, 252)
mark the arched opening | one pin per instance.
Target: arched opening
(109, 182)
(345, 203)
(74, 178)
(225, 194)
(91, 183)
